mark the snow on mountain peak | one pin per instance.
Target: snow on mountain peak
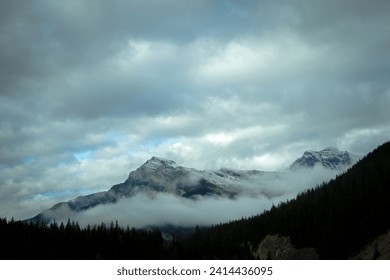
(157, 162)
(330, 157)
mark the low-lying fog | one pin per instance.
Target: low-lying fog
(162, 208)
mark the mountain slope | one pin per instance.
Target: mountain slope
(162, 175)
(337, 218)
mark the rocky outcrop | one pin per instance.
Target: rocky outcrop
(379, 249)
(275, 247)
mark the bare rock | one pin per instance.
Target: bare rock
(379, 249)
(275, 247)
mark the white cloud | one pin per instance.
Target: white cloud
(162, 208)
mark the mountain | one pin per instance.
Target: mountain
(330, 158)
(163, 175)
(336, 219)
(159, 175)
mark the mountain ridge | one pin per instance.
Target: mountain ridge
(160, 175)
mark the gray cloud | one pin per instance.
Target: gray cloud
(249, 85)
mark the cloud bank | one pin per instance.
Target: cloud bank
(159, 209)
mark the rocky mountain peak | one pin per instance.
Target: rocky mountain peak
(157, 162)
(330, 157)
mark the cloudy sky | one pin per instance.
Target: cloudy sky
(89, 90)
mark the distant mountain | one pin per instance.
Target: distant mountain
(159, 175)
(163, 175)
(330, 158)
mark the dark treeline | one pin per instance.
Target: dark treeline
(337, 219)
(69, 241)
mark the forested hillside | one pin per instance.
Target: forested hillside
(337, 218)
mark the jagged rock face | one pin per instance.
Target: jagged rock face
(161, 175)
(330, 158)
